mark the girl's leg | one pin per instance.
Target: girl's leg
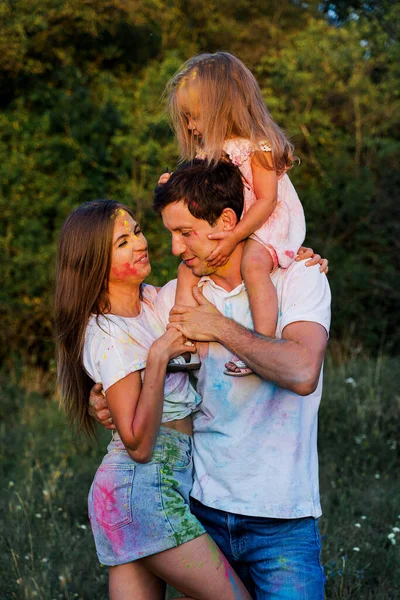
(256, 267)
(184, 296)
(186, 282)
(133, 580)
(198, 569)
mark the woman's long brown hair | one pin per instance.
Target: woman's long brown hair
(83, 266)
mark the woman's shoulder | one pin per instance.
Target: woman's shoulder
(240, 150)
(149, 292)
(102, 326)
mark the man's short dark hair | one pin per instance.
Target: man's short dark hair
(206, 190)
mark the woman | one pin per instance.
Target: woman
(108, 331)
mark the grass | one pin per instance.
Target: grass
(46, 548)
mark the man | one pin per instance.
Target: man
(256, 483)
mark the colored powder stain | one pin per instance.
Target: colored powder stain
(125, 271)
(289, 253)
(174, 505)
(234, 585)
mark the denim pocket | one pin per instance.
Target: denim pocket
(112, 488)
(177, 453)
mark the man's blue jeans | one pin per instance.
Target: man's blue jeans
(275, 558)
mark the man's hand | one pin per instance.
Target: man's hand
(315, 259)
(98, 408)
(200, 323)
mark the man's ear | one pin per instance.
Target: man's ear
(228, 219)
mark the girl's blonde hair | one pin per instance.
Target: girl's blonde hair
(230, 105)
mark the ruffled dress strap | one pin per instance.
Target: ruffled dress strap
(240, 150)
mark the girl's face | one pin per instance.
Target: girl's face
(190, 106)
(129, 257)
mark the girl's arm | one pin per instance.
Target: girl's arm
(136, 409)
(265, 185)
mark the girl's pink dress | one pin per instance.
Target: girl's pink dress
(284, 231)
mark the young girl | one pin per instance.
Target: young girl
(107, 329)
(218, 112)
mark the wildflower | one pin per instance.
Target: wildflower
(10, 484)
(61, 579)
(351, 381)
(18, 507)
(391, 536)
(19, 581)
(357, 525)
(46, 493)
(45, 560)
(356, 549)
(38, 516)
(395, 529)
(377, 476)
(363, 517)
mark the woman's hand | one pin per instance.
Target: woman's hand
(172, 344)
(315, 259)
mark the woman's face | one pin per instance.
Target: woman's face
(129, 257)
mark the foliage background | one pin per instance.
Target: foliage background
(82, 116)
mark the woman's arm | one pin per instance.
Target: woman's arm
(136, 409)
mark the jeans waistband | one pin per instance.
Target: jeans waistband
(164, 434)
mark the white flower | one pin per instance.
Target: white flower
(351, 381)
(363, 517)
(10, 484)
(393, 542)
(38, 516)
(395, 529)
(357, 524)
(18, 507)
(377, 476)
(45, 560)
(356, 549)
(391, 536)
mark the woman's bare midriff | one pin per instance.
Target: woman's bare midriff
(182, 425)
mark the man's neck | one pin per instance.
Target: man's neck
(229, 276)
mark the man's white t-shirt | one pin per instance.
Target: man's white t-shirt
(255, 445)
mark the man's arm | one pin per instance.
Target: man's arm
(293, 362)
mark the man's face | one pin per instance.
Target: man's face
(189, 237)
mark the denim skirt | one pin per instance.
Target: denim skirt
(140, 509)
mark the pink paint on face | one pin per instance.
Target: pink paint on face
(125, 271)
